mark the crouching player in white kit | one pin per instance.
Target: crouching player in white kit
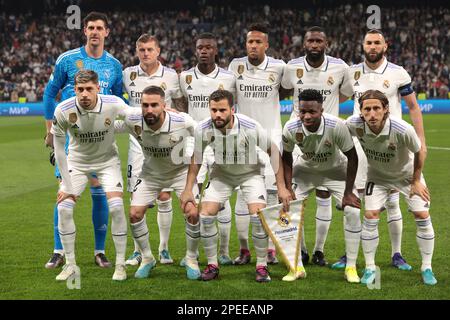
(395, 162)
(89, 118)
(234, 139)
(324, 140)
(163, 136)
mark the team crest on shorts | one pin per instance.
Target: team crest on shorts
(240, 71)
(330, 81)
(386, 84)
(73, 117)
(163, 86)
(188, 81)
(392, 146)
(107, 122)
(284, 219)
(79, 64)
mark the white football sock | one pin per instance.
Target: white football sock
(224, 223)
(118, 228)
(260, 240)
(209, 235)
(66, 227)
(369, 241)
(242, 217)
(164, 218)
(425, 241)
(352, 234)
(323, 221)
(192, 239)
(141, 237)
(395, 222)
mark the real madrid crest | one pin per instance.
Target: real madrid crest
(137, 130)
(240, 71)
(188, 81)
(272, 78)
(299, 137)
(356, 76)
(133, 76)
(327, 143)
(330, 81)
(392, 146)
(221, 87)
(173, 140)
(359, 132)
(299, 75)
(386, 84)
(107, 122)
(284, 219)
(73, 117)
(79, 64)
(163, 86)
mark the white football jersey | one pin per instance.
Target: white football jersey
(322, 151)
(390, 153)
(163, 149)
(91, 133)
(327, 79)
(236, 153)
(135, 80)
(257, 88)
(197, 87)
(388, 78)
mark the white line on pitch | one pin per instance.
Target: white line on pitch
(438, 148)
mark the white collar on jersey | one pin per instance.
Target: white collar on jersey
(379, 70)
(384, 132)
(323, 67)
(158, 73)
(97, 108)
(165, 128)
(319, 131)
(213, 74)
(262, 66)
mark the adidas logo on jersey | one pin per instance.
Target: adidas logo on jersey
(119, 185)
(356, 83)
(75, 126)
(300, 81)
(132, 84)
(261, 197)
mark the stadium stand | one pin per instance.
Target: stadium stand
(418, 38)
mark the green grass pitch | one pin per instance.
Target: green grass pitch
(28, 193)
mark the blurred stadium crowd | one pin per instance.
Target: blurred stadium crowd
(418, 38)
